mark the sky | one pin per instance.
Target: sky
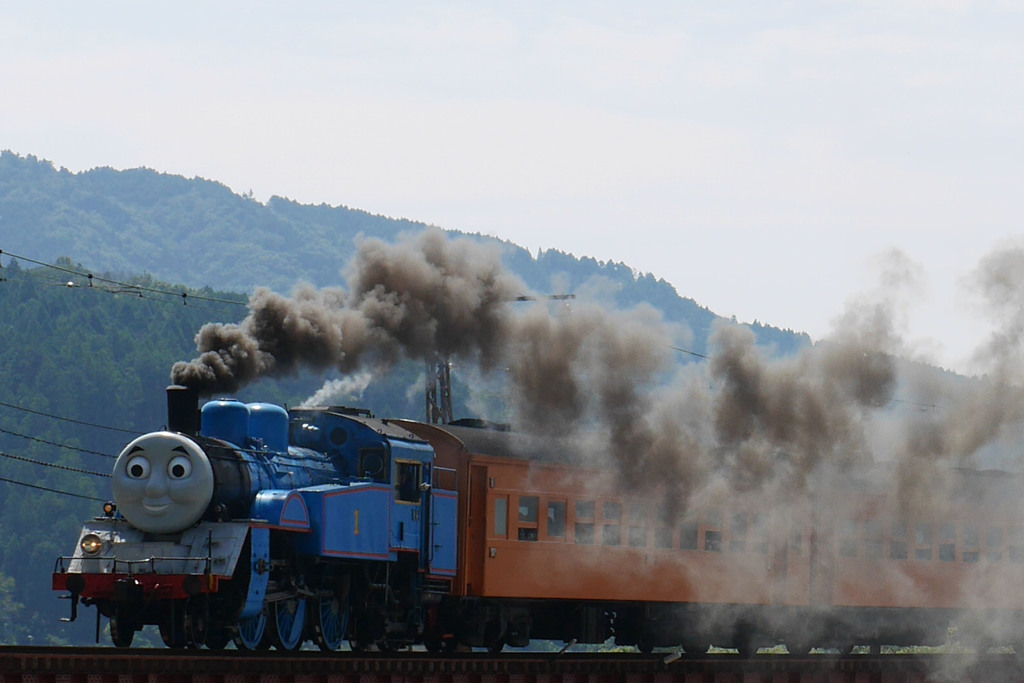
(765, 158)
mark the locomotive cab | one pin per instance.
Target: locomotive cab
(333, 432)
(364, 449)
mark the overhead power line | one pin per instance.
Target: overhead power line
(21, 458)
(43, 276)
(125, 287)
(692, 353)
(50, 490)
(68, 419)
(57, 445)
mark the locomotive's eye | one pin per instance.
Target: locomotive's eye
(138, 467)
(179, 467)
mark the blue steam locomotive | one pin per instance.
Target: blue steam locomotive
(266, 527)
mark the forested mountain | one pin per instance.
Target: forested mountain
(83, 368)
(199, 233)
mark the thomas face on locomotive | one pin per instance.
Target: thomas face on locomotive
(162, 482)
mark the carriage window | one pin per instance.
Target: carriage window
(796, 536)
(898, 548)
(528, 509)
(713, 531)
(556, 519)
(873, 543)
(993, 544)
(528, 506)
(947, 543)
(584, 521)
(637, 526)
(971, 540)
(923, 541)
(738, 533)
(585, 532)
(501, 516)
(688, 536)
(663, 536)
(612, 532)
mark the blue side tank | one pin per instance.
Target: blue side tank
(268, 423)
(226, 419)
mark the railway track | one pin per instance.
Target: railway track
(106, 665)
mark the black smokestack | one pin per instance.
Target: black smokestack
(182, 410)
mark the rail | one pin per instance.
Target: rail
(140, 665)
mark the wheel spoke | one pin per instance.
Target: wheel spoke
(331, 623)
(250, 632)
(289, 621)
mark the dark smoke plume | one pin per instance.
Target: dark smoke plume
(418, 298)
(787, 417)
(745, 420)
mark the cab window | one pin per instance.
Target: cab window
(407, 481)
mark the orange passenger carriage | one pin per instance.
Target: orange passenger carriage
(556, 550)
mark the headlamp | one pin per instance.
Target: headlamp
(91, 544)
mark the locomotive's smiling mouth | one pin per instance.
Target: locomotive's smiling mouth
(156, 506)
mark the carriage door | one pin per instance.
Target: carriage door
(476, 531)
(441, 518)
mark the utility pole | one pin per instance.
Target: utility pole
(439, 375)
(439, 391)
